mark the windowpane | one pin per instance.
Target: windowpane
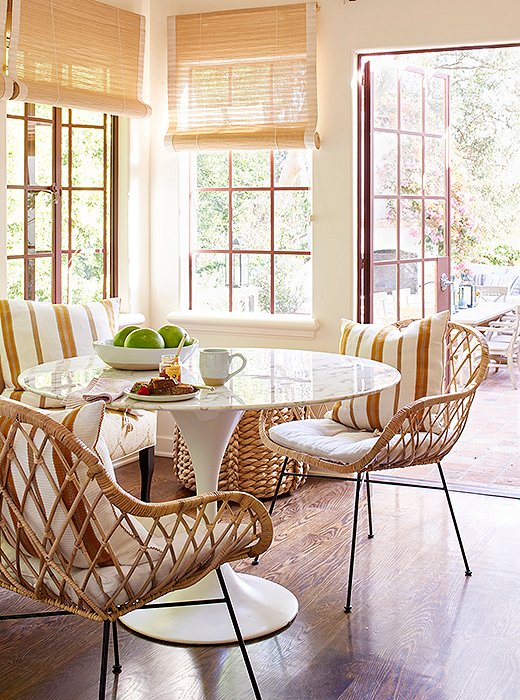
(434, 167)
(292, 168)
(87, 117)
(65, 156)
(385, 163)
(87, 163)
(251, 283)
(251, 220)
(292, 220)
(411, 101)
(43, 111)
(385, 289)
(385, 97)
(39, 222)
(14, 107)
(212, 170)
(385, 229)
(15, 274)
(87, 219)
(82, 277)
(411, 228)
(435, 97)
(42, 279)
(410, 288)
(251, 169)
(210, 282)
(15, 152)
(14, 240)
(435, 228)
(39, 153)
(411, 164)
(210, 219)
(292, 284)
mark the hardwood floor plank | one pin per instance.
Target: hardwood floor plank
(419, 628)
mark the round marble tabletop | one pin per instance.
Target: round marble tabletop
(272, 378)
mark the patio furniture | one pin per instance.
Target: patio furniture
(503, 339)
(492, 293)
(421, 432)
(36, 332)
(483, 313)
(72, 539)
(272, 379)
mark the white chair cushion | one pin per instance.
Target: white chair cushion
(127, 433)
(33, 332)
(103, 583)
(416, 350)
(332, 441)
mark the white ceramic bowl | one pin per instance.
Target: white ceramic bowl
(138, 358)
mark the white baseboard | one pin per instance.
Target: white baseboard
(163, 448)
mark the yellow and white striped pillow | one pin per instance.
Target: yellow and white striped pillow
(417, 351)
(33, 332)
(58, 492)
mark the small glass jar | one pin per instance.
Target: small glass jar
(170, 367)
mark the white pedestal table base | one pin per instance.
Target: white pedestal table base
(261, 606)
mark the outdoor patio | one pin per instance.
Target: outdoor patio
(487, 454)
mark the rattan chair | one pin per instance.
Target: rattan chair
(423, 432)
(72, 539)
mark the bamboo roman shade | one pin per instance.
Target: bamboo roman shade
(243, 79)
(78, 53)
(4, 80)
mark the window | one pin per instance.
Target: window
(250, 232)
(60, 214)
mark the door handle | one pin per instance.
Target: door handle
(445, 282)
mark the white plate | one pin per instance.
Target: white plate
(161, 398)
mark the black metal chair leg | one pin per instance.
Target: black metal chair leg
(369, 508)
(445, 487)
(238, 633)
(348, 606)
(104, 660)
(146, 466)
(273, 502)
(116, 668)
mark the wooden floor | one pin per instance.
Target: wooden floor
(419, 628)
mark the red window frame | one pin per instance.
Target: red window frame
(272, 251)
(62, 129)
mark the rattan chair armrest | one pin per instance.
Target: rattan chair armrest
(244, 505)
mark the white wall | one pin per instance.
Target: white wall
(344, 30)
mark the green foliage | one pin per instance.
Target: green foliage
(501, 254)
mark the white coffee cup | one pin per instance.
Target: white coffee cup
(215, 363)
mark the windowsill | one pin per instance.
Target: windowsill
(247, 324)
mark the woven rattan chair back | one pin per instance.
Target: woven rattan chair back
(70, 537)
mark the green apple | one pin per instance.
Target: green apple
(172, 335)
(144, 338)
(190, 340)
(120, 336)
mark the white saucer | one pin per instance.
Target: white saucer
(161, 398)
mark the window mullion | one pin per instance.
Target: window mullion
(57, 207)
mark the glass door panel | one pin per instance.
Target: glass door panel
(406, 192)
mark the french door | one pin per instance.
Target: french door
(404, 222)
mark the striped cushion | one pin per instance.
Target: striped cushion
(33, 332)
(417, 351)
(56, 489)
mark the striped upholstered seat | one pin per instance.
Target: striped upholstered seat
(32, 333)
